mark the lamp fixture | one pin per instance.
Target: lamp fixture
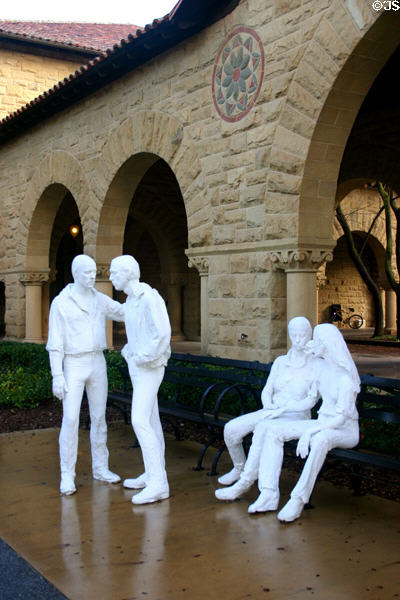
(74, 230)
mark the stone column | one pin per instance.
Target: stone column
(201, 264)
(321, 282)
(46, 303)
(33, 283)
(104, 285)
(301, 266)
(390, 311)
(175, 309)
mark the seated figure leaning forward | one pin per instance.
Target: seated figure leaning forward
(77, 338)
(338, 384)
(289, 393)
(149, 335)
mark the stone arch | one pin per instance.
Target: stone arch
(58, 174)
(132, 149)
(348, 48)
(339, 280)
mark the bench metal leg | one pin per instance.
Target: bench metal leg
(214, 471)
(199, 466)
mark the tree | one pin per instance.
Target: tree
(362, 269)
(390, 205)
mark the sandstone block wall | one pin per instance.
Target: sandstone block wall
(243, 183)
(24, 76)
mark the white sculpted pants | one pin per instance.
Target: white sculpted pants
(85, 370)
(238, 428)
(234, 433)
(280, 432)
(146, 421)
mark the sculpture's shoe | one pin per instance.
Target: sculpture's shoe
(292, 510)
(230, 477)
(137, 483)
(67, 485)
(267, 500)
(150, 494)
(107, 476)
(235, 491)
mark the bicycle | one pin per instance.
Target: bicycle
(347, 317)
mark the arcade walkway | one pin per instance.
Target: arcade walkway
(96, 545)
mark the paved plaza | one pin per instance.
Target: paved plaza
(97, 545)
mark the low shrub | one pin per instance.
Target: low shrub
(24, 388)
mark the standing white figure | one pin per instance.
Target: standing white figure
(149, 335)
(288, 393)
(336, 426)
(77, 338)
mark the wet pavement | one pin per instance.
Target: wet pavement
(97, 545)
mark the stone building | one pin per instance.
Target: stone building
(213, 145)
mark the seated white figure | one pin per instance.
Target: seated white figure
(336, 427)
(289, 383)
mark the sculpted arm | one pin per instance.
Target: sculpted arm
(55, 347)
(268, 390)
(115, 311)
(344, 406)
(300, 405)
(159, 328)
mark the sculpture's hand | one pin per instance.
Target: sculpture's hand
(303, 445)
(273, 414)
(59, 387)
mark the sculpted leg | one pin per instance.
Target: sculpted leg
(96, 389)
(271, 458)
(320, 445)
(146, 383)
(68, 439)
(249, 474)
(234, 432)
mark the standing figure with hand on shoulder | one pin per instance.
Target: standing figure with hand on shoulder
(147, 352)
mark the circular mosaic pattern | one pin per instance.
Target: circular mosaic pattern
(238, 74)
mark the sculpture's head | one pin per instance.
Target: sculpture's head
(83, 270)
(329, 343)
(123, 270)
(300, 332)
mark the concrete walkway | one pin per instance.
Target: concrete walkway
(96, 545)
(379, 361)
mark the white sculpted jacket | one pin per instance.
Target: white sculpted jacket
(74, 330)
(147, 327)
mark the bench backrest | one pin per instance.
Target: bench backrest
(379, 399)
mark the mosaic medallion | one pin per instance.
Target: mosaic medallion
(238, 74)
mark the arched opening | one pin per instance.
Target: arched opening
(343, 284)
(350, 94)
(55, 237)
(66, 243)
(144, 215)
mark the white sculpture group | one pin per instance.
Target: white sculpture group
(312, 369)
(77, 338)
(321, 368)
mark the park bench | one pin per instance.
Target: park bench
(378, 404)
(198, 390)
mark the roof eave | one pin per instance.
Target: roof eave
(182, 23)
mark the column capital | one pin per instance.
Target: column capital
(200, 263)
(103, 272)
(299, 259)
(34, 277)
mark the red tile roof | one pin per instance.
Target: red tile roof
(186, 19)
(98, 36)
